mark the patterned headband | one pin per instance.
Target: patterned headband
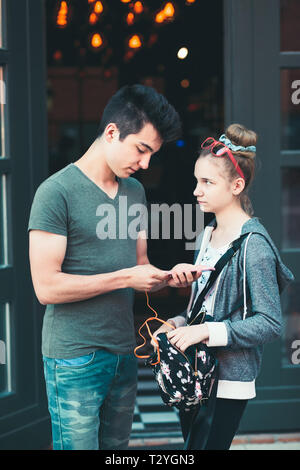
(236, 148)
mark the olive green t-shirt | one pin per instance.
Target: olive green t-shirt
(96, 226)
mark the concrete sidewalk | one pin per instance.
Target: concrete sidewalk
(288, 441)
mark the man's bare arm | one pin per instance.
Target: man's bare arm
(52, 286)
(141, 249)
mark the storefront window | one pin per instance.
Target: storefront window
(290, 208)
(289, 25)
(290, 109)
(291, 340)
(2, 115)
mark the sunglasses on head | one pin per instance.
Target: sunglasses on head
(218, 149)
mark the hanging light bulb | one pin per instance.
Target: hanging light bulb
(135, 42)
(167, 13)
(160, 17)
(125, 1)
(138, 7)
(96, 41)
(185, 83)
(130, 19)
(190, 1)
(93, 18)
(182, 53)
(98, 8)
(169, 10)
(62, 15)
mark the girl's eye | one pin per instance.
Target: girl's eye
(207, 182)
(140, 151)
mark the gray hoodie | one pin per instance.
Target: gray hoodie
(255, 278)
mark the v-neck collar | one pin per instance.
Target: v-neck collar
(112, 199)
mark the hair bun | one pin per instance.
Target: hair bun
(240, 135)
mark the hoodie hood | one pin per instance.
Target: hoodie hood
(284, 275)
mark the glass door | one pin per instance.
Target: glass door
(6, 281)
(289, 58)
(262, 91)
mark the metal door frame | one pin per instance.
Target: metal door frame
(24, 422)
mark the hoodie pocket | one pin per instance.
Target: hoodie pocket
(235, 365)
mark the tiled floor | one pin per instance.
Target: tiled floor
(151, 415)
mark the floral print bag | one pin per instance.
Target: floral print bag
(184, 379)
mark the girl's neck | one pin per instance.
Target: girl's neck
(231, 219)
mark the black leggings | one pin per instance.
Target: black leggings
(225, 423)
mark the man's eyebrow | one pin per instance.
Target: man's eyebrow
(147, 146)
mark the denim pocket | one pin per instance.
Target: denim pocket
(80, 361)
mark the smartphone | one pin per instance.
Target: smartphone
(195, 272)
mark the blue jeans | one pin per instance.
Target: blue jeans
(91, 400)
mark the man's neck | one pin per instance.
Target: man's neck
(94, 165)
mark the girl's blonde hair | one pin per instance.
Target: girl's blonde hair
(240, 136)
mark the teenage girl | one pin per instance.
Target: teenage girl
(253, 278)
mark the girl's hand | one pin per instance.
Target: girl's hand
(162, 329)
(185, 336)
(184, 274)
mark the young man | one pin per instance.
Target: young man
(86, 280)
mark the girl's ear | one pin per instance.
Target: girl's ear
(238, 186)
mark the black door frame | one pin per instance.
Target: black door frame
(24, 422)
(252, 61)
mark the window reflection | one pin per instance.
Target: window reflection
(2, 103)
(290, 109)
(290, 208)
(289, 25)
(1, 222)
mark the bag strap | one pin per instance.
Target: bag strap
(150, 334)
(235, 245)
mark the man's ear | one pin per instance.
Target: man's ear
(111, 132)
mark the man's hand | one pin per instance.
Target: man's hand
(146, 277)
(185, 336)
(184, 274)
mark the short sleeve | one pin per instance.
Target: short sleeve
(49, 211)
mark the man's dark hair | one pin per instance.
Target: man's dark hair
(133, 106)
